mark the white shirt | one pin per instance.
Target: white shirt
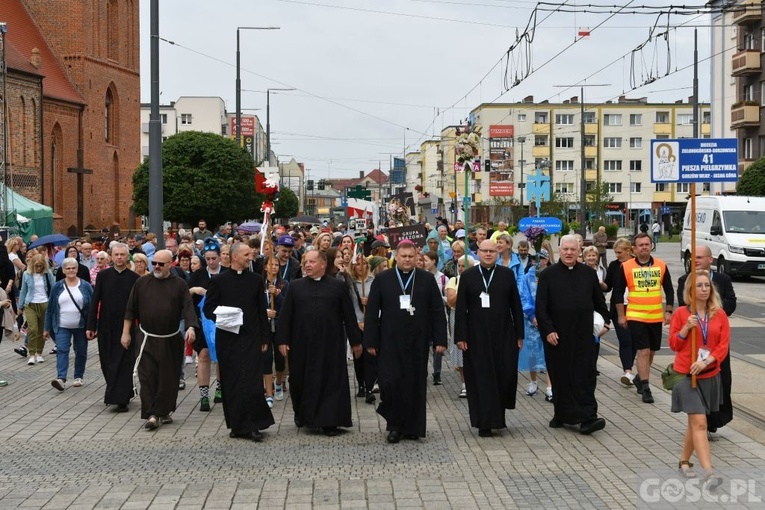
(39, 293)
(68, 314)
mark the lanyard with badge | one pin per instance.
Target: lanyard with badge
(286, 270)
(704, 327)
(405, 300)
(485, 301)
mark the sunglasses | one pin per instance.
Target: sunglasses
(160, 264)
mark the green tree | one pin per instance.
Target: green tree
(752, 181)
(204, 175)
(597, 200)
(287, 206)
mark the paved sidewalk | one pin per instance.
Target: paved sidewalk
(67, 450)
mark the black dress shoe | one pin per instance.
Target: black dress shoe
(592, 426)
(638, 384)
(298, 422)
(370, 398)
(411, 437)
(555, 423)
(436, 379)
(252, 436)
(394, 436)
(329, 431)
(255, 435)
(361, 393)
(485, 433)
(21, 351)
(122, 408)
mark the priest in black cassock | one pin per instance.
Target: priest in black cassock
(489, 329)
(240, 354)
(107, 310)
(567, 295)
(317, 319)
(405, 313)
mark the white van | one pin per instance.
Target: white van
(734, 229)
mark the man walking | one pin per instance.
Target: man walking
(489, 330)
(244, 403)
(567, 295)
(316, 319)
(158, 303)
(107, 311)
(644, 278)
(405, 313)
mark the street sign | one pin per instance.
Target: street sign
(694, 160)
(665, 210)
(550, 224)
(359, 192)
(434, 210)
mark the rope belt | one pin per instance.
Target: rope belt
(146, 335)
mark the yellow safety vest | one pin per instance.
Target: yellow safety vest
(644, 285)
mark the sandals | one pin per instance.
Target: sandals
(686, 469)
(166, 420)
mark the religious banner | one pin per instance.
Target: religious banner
(501, 159)
(415, 233)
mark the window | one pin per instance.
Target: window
(163, 118)
(612, 165)
(564, 165)
(762, 146)
(705, 186)
(636, 142)
(762, 38)
(521, 117)
(589, 117)
(662, 137)
(706, 117)
(747, 93)
(612, 119)
(564, 118)
(564, 187)
(747, 148)
(564, 142)
(540, 140)
(683, 187)
(662, 117)
(635, 187)
(636, 165)
(747, 39)
(589, 164)
(614, 187)
(661, 187)
(589, 140)
(186, 119)
(684, 118)
(612, 142)
(636, 119)
(540, 118)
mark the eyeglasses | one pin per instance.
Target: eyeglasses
(160, 264)
(487, 251)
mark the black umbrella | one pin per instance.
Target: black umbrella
(305, 219)
(54, 239)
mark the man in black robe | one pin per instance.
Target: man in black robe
(239, 354)
(107, 311)
(724, 286)
(488, 328)
(316, 319)
(567, 295)
(158, 303)
(405, 313)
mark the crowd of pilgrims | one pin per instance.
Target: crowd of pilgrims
(322, 297)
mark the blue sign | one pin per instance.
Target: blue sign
(434, 210)
(466, 201)
(550, 224)
(665, 210)
(694, 160)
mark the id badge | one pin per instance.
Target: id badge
(703, 354)
(404, 302)
(485, 303)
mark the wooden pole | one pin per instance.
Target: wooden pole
(692, 278)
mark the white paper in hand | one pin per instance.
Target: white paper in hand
(228, 318)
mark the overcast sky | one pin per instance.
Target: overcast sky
(373, 77)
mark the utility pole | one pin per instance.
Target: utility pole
(156, 197)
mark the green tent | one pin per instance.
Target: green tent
(26, 217)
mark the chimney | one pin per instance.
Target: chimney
(35, 59)
(690, 99)
(679, 101)
(528, 99)
(575, 99)
(622, 99)
(565, 101)
(361, 174)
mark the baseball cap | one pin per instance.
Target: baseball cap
(285, 240)
(543, 254)
(139, 237)
(379, 243)
(315, 230)
(460, 233)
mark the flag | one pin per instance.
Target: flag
(584, 32)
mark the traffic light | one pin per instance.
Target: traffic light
(487, 165)
(309, 185)
(321, 184)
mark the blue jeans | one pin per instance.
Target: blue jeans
(63, 342)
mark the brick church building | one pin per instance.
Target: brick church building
(73, 102)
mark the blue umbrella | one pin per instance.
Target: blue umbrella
(250, 227)
(54, 239)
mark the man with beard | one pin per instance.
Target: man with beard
(244, 403)
(489, 330)
(158, 303)
(316, 319)
(405, 313)
(107, 311)
(567, 295)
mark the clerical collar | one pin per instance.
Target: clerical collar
(316, 279)
(239, 271)
(120, 270)
(401, 283)
(487, 270)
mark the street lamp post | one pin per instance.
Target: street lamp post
(268, 120)
(239, 81)
(522, 140)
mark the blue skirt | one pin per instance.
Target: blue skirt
(532, 355)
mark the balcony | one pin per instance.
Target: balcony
(662, 196)
(591, 175)
(540, 151)
(540, 129)
(744, 115)
(706, 129)
(662, 128)
(590, 151)
(590, 129)
(746, 62)
(749, 11)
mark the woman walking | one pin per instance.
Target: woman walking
(36, 284)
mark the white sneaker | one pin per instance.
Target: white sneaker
(189, 360)
(627, 378)
(278, 392)
(531, 389)
(548, 394)
(376, 388)
(270, 402)
(463, 392)
(77, 382)
(39, 359)
(59, 384)
(31, 360)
